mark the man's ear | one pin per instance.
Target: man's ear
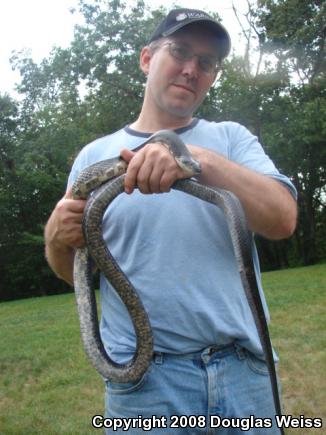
(145, 59)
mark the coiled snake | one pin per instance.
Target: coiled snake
(95, 178)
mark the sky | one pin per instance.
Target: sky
(38, 25)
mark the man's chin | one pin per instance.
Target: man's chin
(181, 111)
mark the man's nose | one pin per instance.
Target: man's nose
(191, 67)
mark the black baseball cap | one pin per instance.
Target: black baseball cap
(178, 18)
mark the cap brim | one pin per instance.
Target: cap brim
(219, 30)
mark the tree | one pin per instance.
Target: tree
(95, 86)
(295, 32)
(70, 98)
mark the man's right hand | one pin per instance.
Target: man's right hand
(63, 234)
(64, 227)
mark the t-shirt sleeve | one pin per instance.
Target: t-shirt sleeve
(79, 164)
(247, 151)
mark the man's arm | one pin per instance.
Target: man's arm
(270, 209)
(63, 234)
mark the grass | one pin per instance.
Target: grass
(46, 384)
(297, 300)
(48, 387)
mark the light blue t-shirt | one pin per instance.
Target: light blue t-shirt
(177, 252)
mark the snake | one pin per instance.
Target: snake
(100, 184)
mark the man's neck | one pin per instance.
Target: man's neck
(150, 125)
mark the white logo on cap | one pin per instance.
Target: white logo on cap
(181, 17)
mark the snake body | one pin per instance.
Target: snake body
(96, 249)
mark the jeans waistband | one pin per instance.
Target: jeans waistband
(220, 351)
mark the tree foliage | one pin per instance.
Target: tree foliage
(95, 86)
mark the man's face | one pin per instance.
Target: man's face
(178, 87)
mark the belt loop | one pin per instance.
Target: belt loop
(158, 358)
(241, 352)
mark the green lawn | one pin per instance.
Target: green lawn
(297, 300)
(48, 387)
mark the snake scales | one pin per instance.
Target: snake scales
(94, 178)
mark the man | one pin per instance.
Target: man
(176, 249)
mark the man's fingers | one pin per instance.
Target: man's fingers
(71, 205)
(143, 178)
(68, 194)
(75, 205)
(154, 180)
(152, 169)
(127, 155)
(132, 172)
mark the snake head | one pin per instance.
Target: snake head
(188, 164)
(178, 149)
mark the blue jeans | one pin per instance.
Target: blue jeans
(209, 392)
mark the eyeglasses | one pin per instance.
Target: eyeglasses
(207, 63)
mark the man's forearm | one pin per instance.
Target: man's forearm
(61, 261)
(269, 207)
